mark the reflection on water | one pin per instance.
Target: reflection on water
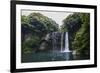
(47, 56)
(59, 51)
(51, 56)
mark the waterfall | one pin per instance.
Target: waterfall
(59, 41)
(62, 41)
(65, 47)
(54, 41)
(66, 43)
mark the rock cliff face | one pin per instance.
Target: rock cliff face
(40, 33)
(55, 42)
(34, 28)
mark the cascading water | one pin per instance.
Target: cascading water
(60, 45)
(55, 36)
(59, 49)
(60, 42)
(66, 49)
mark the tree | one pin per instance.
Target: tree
(78, 27)
(72, 24)
(81, 42)
(34, 28)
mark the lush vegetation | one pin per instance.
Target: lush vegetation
(78, 26)
(35, 26)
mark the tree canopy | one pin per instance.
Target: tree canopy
(78, 27)
(34, 27)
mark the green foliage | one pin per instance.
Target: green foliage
(72, 24)
(34, 27)
(78, 26)
(46, 24)
(81, 42)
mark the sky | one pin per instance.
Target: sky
(58, 17)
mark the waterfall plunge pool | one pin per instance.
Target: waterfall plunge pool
(47, 56)
(59, 50)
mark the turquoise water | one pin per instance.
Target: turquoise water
(47, 56)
